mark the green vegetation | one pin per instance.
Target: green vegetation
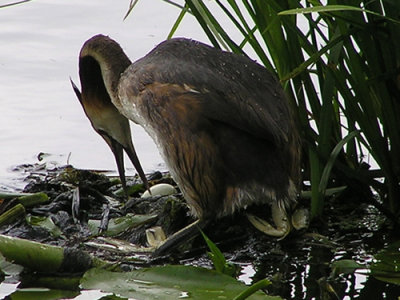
(170, 282)
(339, 65)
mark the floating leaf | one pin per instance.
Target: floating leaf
(168, 282)
(386, 264)
(346, 266)
(42, 294)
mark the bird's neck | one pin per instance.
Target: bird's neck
(113, 62)
(112, 70)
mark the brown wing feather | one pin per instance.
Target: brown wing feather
(230, 88)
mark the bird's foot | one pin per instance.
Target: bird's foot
(284, 225)
(301, 219)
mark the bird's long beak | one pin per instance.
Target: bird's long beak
(118, 152)
(136, 163)
(76, 90)
(117, 149)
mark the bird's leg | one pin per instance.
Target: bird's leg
(180, 237)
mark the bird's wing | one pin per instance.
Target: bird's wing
(231, 88)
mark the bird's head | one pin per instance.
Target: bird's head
(95, 99)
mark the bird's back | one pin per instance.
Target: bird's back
(221, 121)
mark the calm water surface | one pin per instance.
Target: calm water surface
(39, 112)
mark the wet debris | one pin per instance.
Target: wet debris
(85, 214)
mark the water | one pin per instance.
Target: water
(40, 42)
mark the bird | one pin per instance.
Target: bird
(220, 120)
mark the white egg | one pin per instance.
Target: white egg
(162, 189)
